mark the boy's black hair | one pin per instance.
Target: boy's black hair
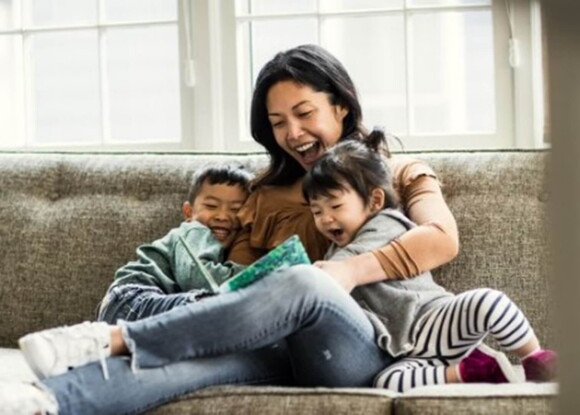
(230, 174)
(355, 162)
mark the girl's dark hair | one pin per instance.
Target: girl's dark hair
(230, 174)
(354, 162)
(309, 65)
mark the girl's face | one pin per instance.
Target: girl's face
(304, 122)
(340, 216)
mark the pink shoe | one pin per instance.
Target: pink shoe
(541, 366)
(485, 365)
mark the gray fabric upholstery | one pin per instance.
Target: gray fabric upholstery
(499, 200)
(68, 221)
(521, 398)
(281, 401)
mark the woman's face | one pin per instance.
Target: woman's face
(304, 122)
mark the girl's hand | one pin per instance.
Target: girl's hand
(341, 272)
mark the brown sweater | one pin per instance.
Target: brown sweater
(274, 213)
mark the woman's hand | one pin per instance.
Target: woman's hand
(354, 271)
(341, 272)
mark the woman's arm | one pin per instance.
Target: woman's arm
(432, 243)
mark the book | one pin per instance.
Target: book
(288, 253)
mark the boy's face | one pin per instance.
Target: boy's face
(216, 206)
(340, 216)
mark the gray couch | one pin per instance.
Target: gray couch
(68, 221)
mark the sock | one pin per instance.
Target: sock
(533, 352)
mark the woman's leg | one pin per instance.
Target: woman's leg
(84, 390)
(330, 340)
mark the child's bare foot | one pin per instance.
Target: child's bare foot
(55, 351)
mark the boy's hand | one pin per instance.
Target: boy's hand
(341, 271)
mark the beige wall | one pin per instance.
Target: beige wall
(563, 42)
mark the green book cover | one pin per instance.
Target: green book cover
(288, 253)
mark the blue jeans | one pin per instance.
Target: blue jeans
(296, 326)
(131, 302)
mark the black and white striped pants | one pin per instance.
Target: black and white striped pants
(447, 334)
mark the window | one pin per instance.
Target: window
(434, 72)
(172, 75)
(89, 73)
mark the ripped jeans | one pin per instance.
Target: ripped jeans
(296, 326)
(132, 302)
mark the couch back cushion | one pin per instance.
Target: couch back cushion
(68, 221)
(499, 200)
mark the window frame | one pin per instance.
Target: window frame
(27, 30)
(518, 95)
(214, 119)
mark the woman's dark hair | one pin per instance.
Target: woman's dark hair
(358, 163)
(230, 174)
(308, 65)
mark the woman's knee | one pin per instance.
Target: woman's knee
(304, 280)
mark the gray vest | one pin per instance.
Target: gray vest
(392, 306)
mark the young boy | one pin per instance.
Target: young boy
(437, 335)
(165, 276)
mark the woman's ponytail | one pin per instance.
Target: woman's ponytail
(377, 142)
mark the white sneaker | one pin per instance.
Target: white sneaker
(55, 351)
(25, 399)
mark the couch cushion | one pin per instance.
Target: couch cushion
(522, 398)
(499, 199)
(13, 367)
(68, 221)
(250, 400)
(514, 398)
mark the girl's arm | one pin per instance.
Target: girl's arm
(432, 243)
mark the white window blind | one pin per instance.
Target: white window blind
(84, 73)
(178, 74)
(427, 70)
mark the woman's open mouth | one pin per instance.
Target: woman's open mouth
(308, 152)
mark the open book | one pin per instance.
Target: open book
(288, 253)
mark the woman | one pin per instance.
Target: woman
(304, 102)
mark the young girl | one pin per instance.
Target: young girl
(430, 329)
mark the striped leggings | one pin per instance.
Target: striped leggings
(448, 333)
